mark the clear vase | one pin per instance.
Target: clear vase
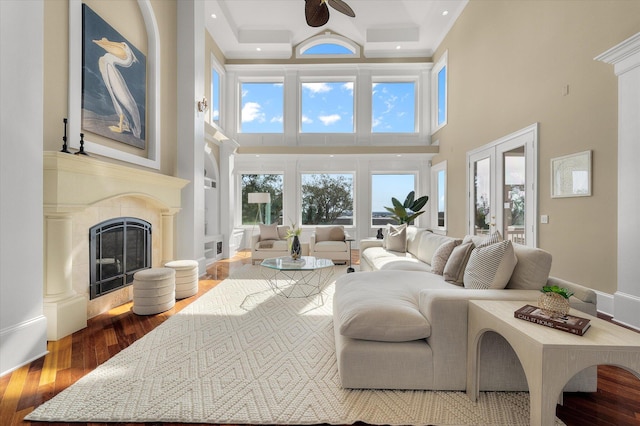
(296, 248)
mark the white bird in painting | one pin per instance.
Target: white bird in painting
(119, 53)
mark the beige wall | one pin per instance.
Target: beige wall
(508, 62)
(125, 17)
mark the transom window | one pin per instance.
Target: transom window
(262, 107)
(327, 107)
(327, 45)
(393, 107)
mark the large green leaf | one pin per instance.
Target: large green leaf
(419, 203)
(409, 200)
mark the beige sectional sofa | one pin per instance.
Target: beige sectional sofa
(400, 325)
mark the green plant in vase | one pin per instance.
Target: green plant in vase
(554, 300)
(293, 236)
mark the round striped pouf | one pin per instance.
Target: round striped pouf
(186, 277)
(154, 291)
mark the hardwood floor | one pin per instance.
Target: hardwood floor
(617, 401)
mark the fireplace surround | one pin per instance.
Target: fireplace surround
(80, 192)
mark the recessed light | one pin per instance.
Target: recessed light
(214, 16)
(258, 49)
(398, 155)
(445, 13)
(398, 47)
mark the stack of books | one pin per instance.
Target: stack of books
(568, 323)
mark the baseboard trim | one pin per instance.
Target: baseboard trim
(605, 303)
(22, 343)
(626, 308)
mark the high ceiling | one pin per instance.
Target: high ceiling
(270, 29)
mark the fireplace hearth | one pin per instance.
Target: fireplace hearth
(118, 248)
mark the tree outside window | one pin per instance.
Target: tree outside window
(272, 212)
(327, 199)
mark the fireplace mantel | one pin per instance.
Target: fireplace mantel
(74, 184)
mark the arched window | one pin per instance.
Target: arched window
(328, 45)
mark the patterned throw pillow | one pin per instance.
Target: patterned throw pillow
(441, 255)
(490, 266)
(396, 239)
(454, 269)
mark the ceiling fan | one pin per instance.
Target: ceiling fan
(317, 12)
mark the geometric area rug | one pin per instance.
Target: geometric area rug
(222, 360)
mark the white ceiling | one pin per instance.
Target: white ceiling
(241, 27)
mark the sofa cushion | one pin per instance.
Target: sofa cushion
(329, 233)
(483, 239)
(532, 270)
(454, 269)
(282, 232)
(429, 243)
(269, 232)
(379, 311)
(441, 255)
(272, 245)
(490, 266)
(330, 246)
(414, 235)
(396, 238)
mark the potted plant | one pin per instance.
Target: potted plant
(408, 211)
(293, 235)
(554, 300)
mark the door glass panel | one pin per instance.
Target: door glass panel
(482, 196)
(514, 192)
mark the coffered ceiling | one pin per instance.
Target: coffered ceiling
(270, 29)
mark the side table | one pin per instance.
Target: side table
(549, 357)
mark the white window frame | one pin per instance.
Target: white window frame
(328, 172)
(259, 80)
(215, 66)
(416, 100)
(327, 38)
(435, 92)
(328, 79)
(435, 196)
(238, 201)
(400, 197)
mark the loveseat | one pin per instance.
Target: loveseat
(399, 324)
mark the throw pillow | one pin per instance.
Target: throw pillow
(282, 232)
(329, 233)
(268, 232)
(490, 266)
(483, 239)
(396, 239)
(457, 262)
(532, 270)
(441, 255)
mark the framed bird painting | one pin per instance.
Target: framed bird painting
(113, 83)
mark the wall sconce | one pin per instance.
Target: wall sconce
(203, 105)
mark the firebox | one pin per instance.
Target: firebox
(118, 248)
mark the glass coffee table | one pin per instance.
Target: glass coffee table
(304, 277)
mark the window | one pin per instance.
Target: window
(327, 45)
(439, 196)
(215, 96)
(327, 199)
(262, 107)
(270, 212)
(393, 107)
(383, 188)
(439, 87)
(327, 107)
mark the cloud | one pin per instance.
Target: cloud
(306, 119)
(252, 111)
(348, 87)
(245, 93)
(316, 87)
(328, 120)
(375, 123)
(277, 119)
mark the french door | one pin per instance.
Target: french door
(502, 187)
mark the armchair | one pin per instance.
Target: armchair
(329, 242)
(270, 242)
